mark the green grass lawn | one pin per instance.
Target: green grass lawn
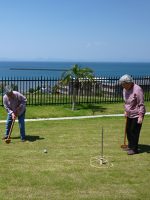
(64, 172)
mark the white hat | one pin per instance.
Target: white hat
(8, 89)
(125, 79)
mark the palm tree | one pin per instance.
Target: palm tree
(75, 75)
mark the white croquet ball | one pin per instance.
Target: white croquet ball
(45, 150)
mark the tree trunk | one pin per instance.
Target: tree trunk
(74, 98)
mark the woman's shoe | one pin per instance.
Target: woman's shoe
(132, 152)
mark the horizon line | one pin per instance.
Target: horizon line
(74, 61)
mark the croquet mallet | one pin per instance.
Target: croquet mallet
(8, 140)
(125, 146)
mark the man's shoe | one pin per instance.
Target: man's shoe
(23, 140)
(4, 137)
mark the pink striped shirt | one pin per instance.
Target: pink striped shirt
(134, 101)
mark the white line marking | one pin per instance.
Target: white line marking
(66, 118)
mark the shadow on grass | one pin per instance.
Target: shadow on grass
(30, 138)
(95, 108)
(144, 148)
(92, 107)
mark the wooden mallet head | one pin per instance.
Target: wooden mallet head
(8, 140)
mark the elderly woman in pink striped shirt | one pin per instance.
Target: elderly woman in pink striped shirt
(134, 111)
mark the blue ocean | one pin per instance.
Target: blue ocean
(55, 69)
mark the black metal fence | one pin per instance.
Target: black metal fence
(46, 91)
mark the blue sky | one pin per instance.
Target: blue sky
(75, 30)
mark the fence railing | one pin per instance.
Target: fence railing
(46, 91)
